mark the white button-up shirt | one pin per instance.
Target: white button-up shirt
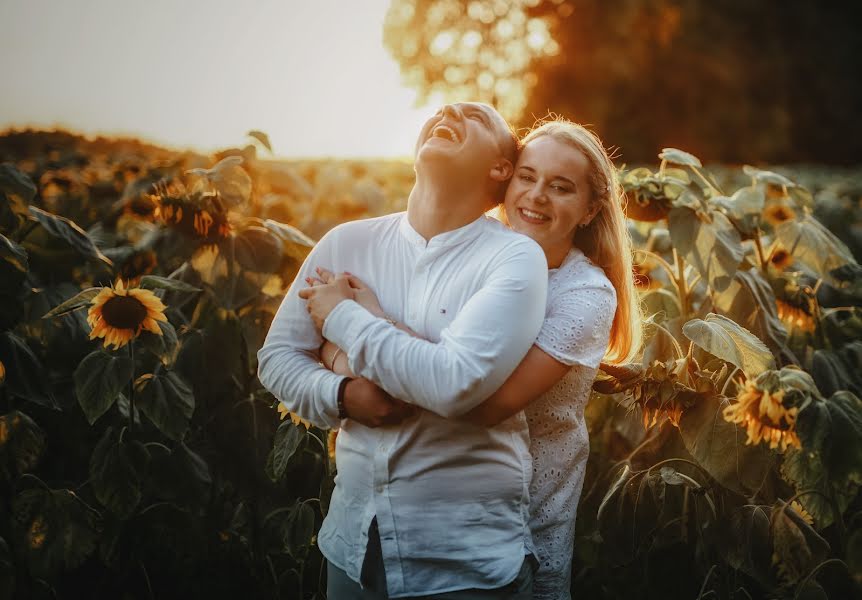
(451, 498)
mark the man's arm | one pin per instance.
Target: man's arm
(477, 352)
(288, 360)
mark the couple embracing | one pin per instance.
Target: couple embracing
(455, 353)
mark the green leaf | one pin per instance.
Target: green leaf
(730, 341)
(719, 447)
(13, 181)
(746, 540)
(53, 530)
(679, 157)
(22, 442)
(830, 461)
(297, 245)
(811, 243)
(167, 400)
(13, 254)
(99, 379)
(229, 179)
(261, 137)
(287, 439)
(838, 370)
(154, 282)
(25, 374)
(796, 547)
(258, 249)
(767, 176)
(79, 300)
(744, 208)
(750, 301)
(67, 230)
(118, 466)
(181, 476)
(298, 529)
(165, 346)
(713, 249)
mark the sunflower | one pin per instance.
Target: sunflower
(762, 412)
(2, 373)
(776, 214)
(780, 259)
(330, 442)
(802, 512)
(118, 315)
(284, 412)
(795, 316)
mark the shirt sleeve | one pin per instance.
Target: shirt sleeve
(479, 349)
(288, 361)
(577, 327)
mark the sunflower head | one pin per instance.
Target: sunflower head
(776, 214)
(2, 373)
(118, 315)
(330, 443)
(140, 263)
(284, 412)
(767, 407)
(781, 259)
(196, 214)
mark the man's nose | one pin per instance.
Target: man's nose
(450, 110)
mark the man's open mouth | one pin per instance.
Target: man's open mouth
(445, 132)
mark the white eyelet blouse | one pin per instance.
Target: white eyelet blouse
(580, 310)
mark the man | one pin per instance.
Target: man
(423, 503)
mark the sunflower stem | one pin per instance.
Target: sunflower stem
(760, 255)
(132, 389)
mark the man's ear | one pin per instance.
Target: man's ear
(501, 170)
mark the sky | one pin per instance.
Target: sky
(312, 74)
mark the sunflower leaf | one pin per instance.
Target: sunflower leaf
(25, 374)
(68, 230)
(287, 440)
(13, 254)
(298, 529)
(167, 400)
(729, 341)
(830, 460)
(262, 138)
(21, 444)
(713, 248)
(53, 529)
(80, 300)
(812, 244)
(99, 379)
(165, 346)
(679, 157)
(117, 468)
(153, 282)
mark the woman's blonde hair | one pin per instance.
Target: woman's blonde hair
(605, 240)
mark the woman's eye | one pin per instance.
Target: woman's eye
(560, 189)
(526, 178)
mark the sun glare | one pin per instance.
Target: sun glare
(313, 75)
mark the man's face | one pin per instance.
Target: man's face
(465, 134)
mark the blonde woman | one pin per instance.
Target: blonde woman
(565, 195)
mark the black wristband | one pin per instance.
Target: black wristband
(342, 414)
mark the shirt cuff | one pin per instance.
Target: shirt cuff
(328, 387)
(345, 324)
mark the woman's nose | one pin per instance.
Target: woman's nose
(537, 192)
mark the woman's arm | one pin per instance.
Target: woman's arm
(534, 376)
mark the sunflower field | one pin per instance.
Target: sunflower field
(140, 457)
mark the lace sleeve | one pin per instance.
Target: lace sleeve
(578, 323)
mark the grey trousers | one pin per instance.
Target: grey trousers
(341, 587)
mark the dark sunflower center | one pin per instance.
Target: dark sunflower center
(124, 312)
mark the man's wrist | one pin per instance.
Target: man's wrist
(342, 388)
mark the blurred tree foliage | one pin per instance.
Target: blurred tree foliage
(731, 81)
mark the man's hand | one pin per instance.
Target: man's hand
(323, 298)
(369, 405)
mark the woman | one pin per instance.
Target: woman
(565, 195)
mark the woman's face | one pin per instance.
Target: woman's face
(549, 196)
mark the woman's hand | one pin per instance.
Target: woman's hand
(322, 298)
(362, 294)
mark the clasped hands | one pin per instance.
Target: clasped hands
(364, 402)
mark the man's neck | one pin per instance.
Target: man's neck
(433, 209)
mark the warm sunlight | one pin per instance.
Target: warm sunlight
(201, 73)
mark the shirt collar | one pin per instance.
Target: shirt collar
(441, 240)
(574, 254)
